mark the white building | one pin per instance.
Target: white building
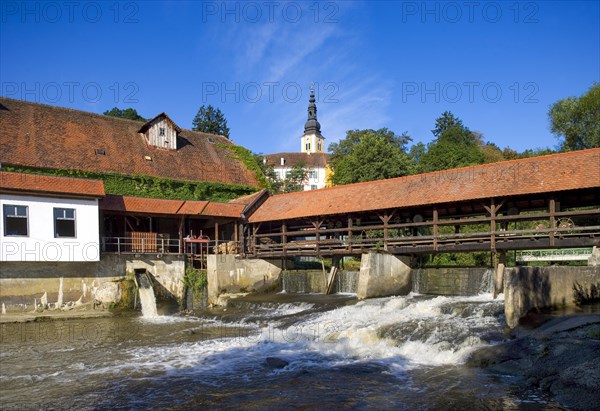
(49, 219)
(312, 153)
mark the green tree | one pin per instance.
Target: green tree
(128, 113)
(455, 146)
(367, 155)
(445, 122)
(292, 181)
(210, 120)
(577, 120)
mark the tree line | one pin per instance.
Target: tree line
(366, 155)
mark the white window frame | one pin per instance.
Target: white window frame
(5, 215)
(74, 219)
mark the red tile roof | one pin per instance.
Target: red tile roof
(140, 205)
(224, 210)
(65, 186)
(557, 172)
(55, 137)
(192, 207)
(248, 199)
(173, 207)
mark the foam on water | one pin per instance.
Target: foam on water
(398, 332)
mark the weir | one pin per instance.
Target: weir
(146, 292)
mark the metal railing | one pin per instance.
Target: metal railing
(165, 245)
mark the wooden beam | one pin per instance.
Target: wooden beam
(283, 237)
(552, 211)
(350, 233)
(435, 228)
(216, 238)
(385, 218)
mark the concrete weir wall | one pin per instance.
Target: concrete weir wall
(452, 281)
(527, 288)
(228, 273)
(382, 275)
(57, 284)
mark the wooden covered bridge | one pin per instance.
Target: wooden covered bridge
(547, 202)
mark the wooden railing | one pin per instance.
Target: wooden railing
(423, 237)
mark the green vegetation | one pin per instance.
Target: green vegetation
(250, 161)
(210, 120)
(148, 186)
(196, 280)
(577, 120)
(127, 113)
(293, 181)
(366, 155)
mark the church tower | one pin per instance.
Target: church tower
(312, 141)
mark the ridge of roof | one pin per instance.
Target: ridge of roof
(111, 118)
(41, 183)
(439, 172)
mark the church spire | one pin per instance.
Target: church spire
(312, 126)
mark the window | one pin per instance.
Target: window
(312, 174)
(161, 131)
(313, 186)
(307, 146)
(64, 222)
(16, 220)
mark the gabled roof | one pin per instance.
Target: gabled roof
(50, 185)
(552, 173)
(54, 137)
(162, 115)
(291, 159)
(144, 205)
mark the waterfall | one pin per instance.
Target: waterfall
(347, 282)
(147, 298)
(487, 282)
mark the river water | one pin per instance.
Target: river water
(388, 353)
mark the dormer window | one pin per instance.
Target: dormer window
(161, 132)
(282, 161)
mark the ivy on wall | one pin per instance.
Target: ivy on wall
(148, 186)
(247, 158)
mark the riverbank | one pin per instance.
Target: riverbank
(560, 359)
(81, 312)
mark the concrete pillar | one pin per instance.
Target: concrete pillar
(499, 274)
(383, 275)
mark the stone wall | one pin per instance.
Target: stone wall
(58, 284)
(230, 274)
(168, 270)
(382, 275)
(527, 288)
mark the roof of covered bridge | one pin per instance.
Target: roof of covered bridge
(552, 173)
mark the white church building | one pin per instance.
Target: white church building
(312, 153)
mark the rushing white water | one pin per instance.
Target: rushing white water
(399, 333)
(147, 298)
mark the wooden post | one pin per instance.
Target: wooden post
(181, 225)
(493, 209)
(216, 238)
(493, 227)
(317, 224)
(435, 229)
(385, 219)
(283, 238)
(552, 211)
(350, 234)
(241, 239)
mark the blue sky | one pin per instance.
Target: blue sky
(496, 65)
